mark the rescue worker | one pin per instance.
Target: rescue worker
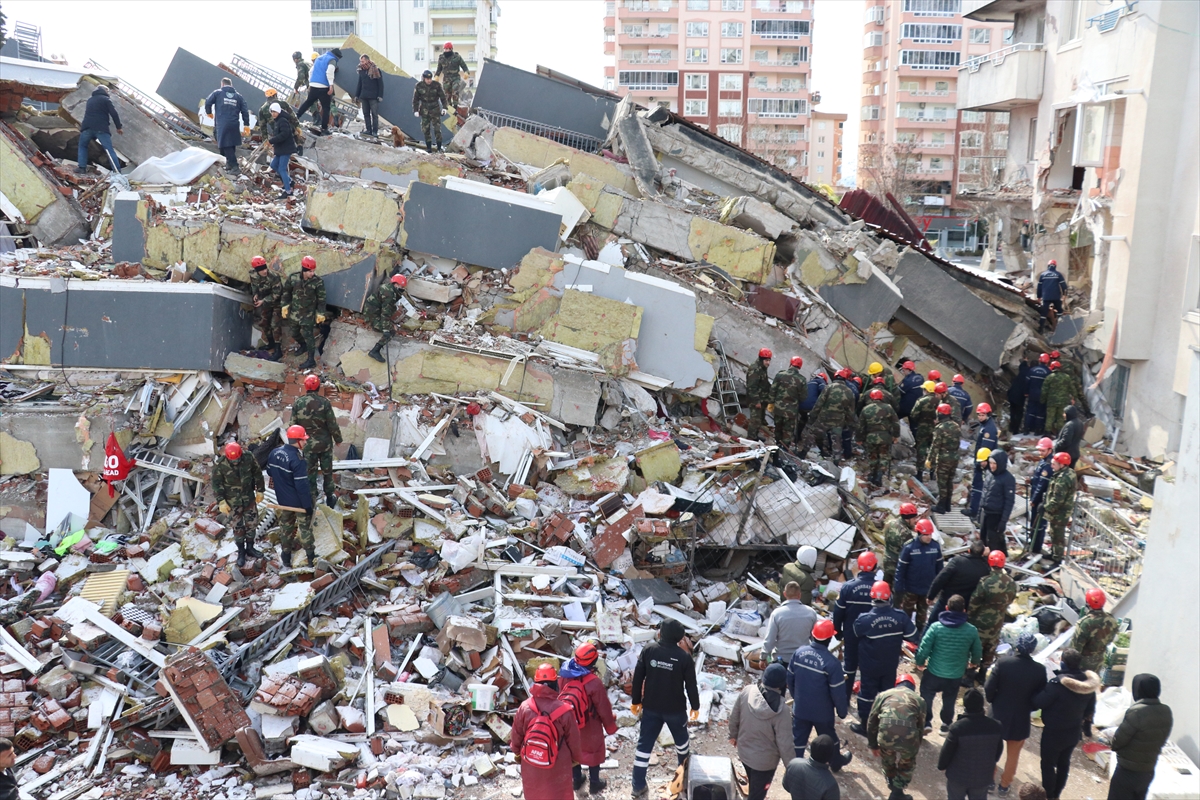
(943, 456)
(920, 562)
(665, 680)
(98, 111)
(789, 626)
(881, 632)
(1068, 705)
(1052, 291)
(910, 387)
(1071, 434)
(996, 504)
(818, 688)
(921, 420)
(1039, 482)
(960, 577)
(787, 392)
(800, 571)
(895, 730)
(834, 415)
(878, 427)
(289, 479)
(942, 395)
(1035, 407)
(897, 532)
(320, 87)
(964, 399)
(1056, 393)
(987, 608)
(301, 72)
(1014, 682)
(1095, 631)
(758, 392)
(429, 104)
(380, 309)
(816, 386)
(852, 600)
(578, 679)
(760, 728)
(229, 105)
(1059, 505)
(1016, 398)
(315, 413)
(266, 291)
(450, 66)
(949, 647)
(237, 483)
(283, 140)
(876, 370)
(986, 438)
(877, 385)
(551, 781)
(304, 308)
(263, 118)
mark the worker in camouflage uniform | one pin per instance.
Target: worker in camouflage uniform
(237, 483)
(989, 603)
(897, 532)
(789, 389)
(921, 420)
(450, 68)
(429, 103)
(304, 308)
(877, 383)
(315, 414)
(758, 392)
(833, 419)
(379, 310)
(301, 71)
(875, 370)
(266, 291)
(1094, 632)
(1056, 394)
(942, 394)
(943, 456)
(265, 126)
(894, 733)
(878, 427)
(1059, 505)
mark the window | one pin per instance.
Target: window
(658, 56)
(1089, 136)
(733, 5)
(729, 108)
(821, 139)
(933, 8)
(780, 28)
(332, 5)
(1000, 117)
(761, 56)
(968, 166)
(941, 86)
(820, 168)
(731, 82)
(332, 28)
(695, 108)
(731, 55)
(802, 56)
(1114, 386)
(929, 33)
(820, 154)
(419, 28)
(610, 9)
(696, 55)
(1000, 141)
(874, 14)
(419, 54)
(873, 39)
(868, 112)
(970, 139)
(418, 3)
(367, 29)
(821, 126)
(648, 80)
(791, 84)
(981, 36)
(906, 137)
(1031, 152)
(777, 108)
(1008, 37)
(697, 29)
(447, 30)
(609, 83)
(697, 5)
(938, 138)
(929, 59)
(935, 164)
(731, 30)
(730, 133)
(1071, 27)
(973, 116)
(633, 56)
(695, 81)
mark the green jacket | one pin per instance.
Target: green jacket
(895, 535)
(878, 423)
(944, 451)
(316, 415)
(267, 289)
(1142, 734)
(789, 389)
(795, 571)
(1060, 497)
(235, 482)
(758, 385)
(305, 298)
(950, 647)
(1093, 633)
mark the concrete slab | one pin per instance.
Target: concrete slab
(189, 79)
(530, 96)
(143, 138)
(60, 436)
(255, 370)
(54, 218)
(396, 105)
(129, 233)
(576, 397)
(377, 161)
(348, 209)
(349, 288)
(864, 304)
(17, 457)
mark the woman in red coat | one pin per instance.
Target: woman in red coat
(578, 679)
(552, 782)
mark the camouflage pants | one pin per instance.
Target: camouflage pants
(1058, 537)
(431, 123)
(879, 454)
(924, 438)
(305, 332)
(288, 521)
(899, 763)
(785, 427)
(452, 85)
(318, 454)
(945, 484)
(758, 419)
(244, 521)
(915, 602)
(988, 643)
(1054, 418)
(270, 323)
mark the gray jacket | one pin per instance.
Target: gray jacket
(788, 629)
(763, 735)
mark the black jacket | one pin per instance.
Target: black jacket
(1011, 687)
(971, 750)
(1068, 703)
(8, 785)
(99, 110)
(289, 477)
(369, 88)
(999, 493)
(1071, 434)
(805, 779)
(1144, 731)
(283, 138)
(662, 675)
(961, 575)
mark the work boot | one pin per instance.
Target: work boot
(439, 148)
(842, 760)
(597, 788)
(252, 551)
(920, 474)
(858, 728)
(312, 556)
(376, 353)
(428, 146)
(241, 559)
(287, 559)
(277, 352)
(579, 781)
(309, 362)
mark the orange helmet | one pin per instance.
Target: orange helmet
(1094, 598)
(586, 654)
(297, 432)
(1055, 365)
(983, 408)
(906, 678)
(908, 365)
(876, 394)
(448, 46)
(959, 379)
(908, 509)
(1044, 358)
(1055, 354)
(940, 388)
(311, 383)
(233, 451)
(934, 375)
(944, 409)
(1045, 443)
(1062, 458)
(996, 558)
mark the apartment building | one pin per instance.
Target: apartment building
(410, 33)
(740, 68)
(825, 147)
(1103, 156)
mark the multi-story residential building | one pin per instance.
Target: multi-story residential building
(410, 33)
(1103, 157)
(740, 68)
(825, 147)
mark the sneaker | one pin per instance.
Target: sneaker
(1003, 790)
(284, 195)
(945, 728)
(597, 788)
(928, 730)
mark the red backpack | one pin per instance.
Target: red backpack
(574, 694)
(540, 748)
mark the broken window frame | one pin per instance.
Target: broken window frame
(1091, 134)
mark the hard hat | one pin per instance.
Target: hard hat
(876, 394)
(586, 654)
(878, 379)
(400, 281)
(929, 386)
(311, 382)
(906, 678)
(308, 262)
(297, 54)
(959, 379)
(233, 451)
(1052, 263)
(473, 408)
(996, 558)
(924, 527)
(944, 409)
(934, 375)
(881, 591)
(1062, 458)
(764, 353)
(426, 74)
(448, 46)
(867, 561)
(1045, 443)
(822, 376)
(797, 362)
(983, 408)
(908, 509)
(297, 432)
(874, 368)
(1044, 358)
(857, 380)
(1094, 598)
(983, 454)
(844, 373)
(940, 388)
(908, 365)
(258, 262)
(545, 672)
(314, 55)
(270, 92)
(807, 555)
(823, 630)
(1055, 354)
(1055, 365)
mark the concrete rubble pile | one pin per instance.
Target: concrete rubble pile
(552, 449)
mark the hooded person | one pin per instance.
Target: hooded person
(969, 754)
(996, 505)
(97, 113)
(948, 648)
(665, 681)
(1071, 434)
(1139, 739)
(760, 727)
(1067, 703)
(580, 687)
(546, 751)
(1011, 686)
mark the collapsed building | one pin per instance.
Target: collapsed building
(596, 277)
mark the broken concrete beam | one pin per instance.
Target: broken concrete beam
(141, 136)
(256, 371)
(47, 206)
(421, 369)
(361, 212)
(639, 152)
(576, 397)
(538, 98)
(371, 161)
(558, 201)
(474, 138)
(764, 219)
(433, 291)
(864, 304)
(537, 151)
(189, 79)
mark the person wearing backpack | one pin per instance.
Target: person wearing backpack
(581, 688)
(545, 738)
(665, 679)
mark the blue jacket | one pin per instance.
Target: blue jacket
(815, 387)
(987, 436)
(320, 69)
(1039, 481)
(853, 599)
(1020, 385)
(998, 494)
(817, 683)
(881, 633)
(1033, 383)
(964, 399)
(910, 392)
(99, 110)
(289, 477)
(229, 105)
(919, 564)
(1051, 285)
(853, 389)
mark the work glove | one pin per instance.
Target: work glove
(246, 131)
(927, 464)
(320, 318)
(258, 497)
(771, 407)
(636, 708)
(694, 716)
(283, 311)
(445, 112)
(224, 506)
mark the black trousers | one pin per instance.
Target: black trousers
(933, 685)
(317, 94)
(992, 533)
(370, 109)
(760, 780)
(1057, 747)
(1129, 785)
(230, 154)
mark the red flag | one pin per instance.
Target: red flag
(116, 465)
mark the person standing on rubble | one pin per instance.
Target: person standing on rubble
(910, 387)
(1056, 392)
(1068, 705)
(949, 647)
(854, 599)
(986, 438)
(98, 112)
(881, 633)
(877, 384)
(1016, 398)
(897, 532)
(1035, 407)
(989, 603)
(1071, 435)
(320, 87)
(818, 687)
(283, 139)
(816, 386)
(228, 105)
(789, 626)
(450, 67)
(1139, 740)
(960, 577)
(800, 572)
(760, 728)
(301, 84)
(304, 308)
(1011, 687)
(964, 400)
(369, 93)
(834, 419)
(380, 309)
(895, 729)
(1095, 630)
(545, 739)
(665, 680)
(289, 479)
(876, 370)
(943, 456)
(786, 393)
(265, 121)
(581, 688)
(237, 483)
(758, 392)
(972, 747)
(942, 394)
(1052, 291)
(920, 563)
(996, 504)
(315, 413)
(921, 419)
(1039, 482)
(878, 427)
(1059, 506)
(429, 103)
(266, 290)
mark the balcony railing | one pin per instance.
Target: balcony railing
(789, 63)
(1002, 80)
(923, 118)
(998, 56)
(927, 92)
(777, 89)
(451, 5)
(650, 87)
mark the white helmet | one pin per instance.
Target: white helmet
(807, 555)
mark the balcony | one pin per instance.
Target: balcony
(1003, 80)
(452, 8)
(926, 92)
(916, 121)
(655, 9)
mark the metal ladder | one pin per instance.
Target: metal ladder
(264, 78)
(730, 405)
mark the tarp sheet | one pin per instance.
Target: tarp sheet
(177, 168)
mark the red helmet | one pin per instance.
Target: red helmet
(297, 432)
(400, 281)
(311, 383)
(1062, 458)
(797, 362)
(996, 558)
(906, 678)
(879, 380)
(908, 509)
(1045, 443)
(959, 379)
(823, 630)
(844, 373)
(867, 561)
(934, 375)
(1052, 263)
(308, 262)
(257, 262)
(1094, 598)
(822, 376)
(545, 672)
(908, 365)
(856, 379)
(233, 451)
(876, 394)
(448, 46)
(1044, 358)
(944, 409)
(983, 408)
(881, 591)
(924, 527)
(1055, 354)
(586, 654)
(473, 408)
(764, 353)
(941, 388)
(1055, 365)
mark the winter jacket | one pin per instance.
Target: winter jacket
(788, 629)
(1013, 683)
(805, 779)
(987, 436)
(802, 575)
(226, 105)
(98, 112)
(971, 750)
(1039, 481)
(1033, 383)
(323, 70)
(1068, 703)
(368, 88)
(1051, 285)
(817, 683)
(600, 719)
(553, 782)
(961, 575)
(911, 390)
(853, 599)
(1145, 729)
(283, 138)
(881, 633)
(1020, 386)
(998, 496)
(964, 400)
(663, 674)
(815, 387)
(763, 734)
(289, 477)
(1071, 434)
(949, 645)
(918, 567)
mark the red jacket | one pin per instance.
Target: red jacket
(600, 721)
(547, 783)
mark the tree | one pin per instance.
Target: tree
(890, 168)
(777, 146)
